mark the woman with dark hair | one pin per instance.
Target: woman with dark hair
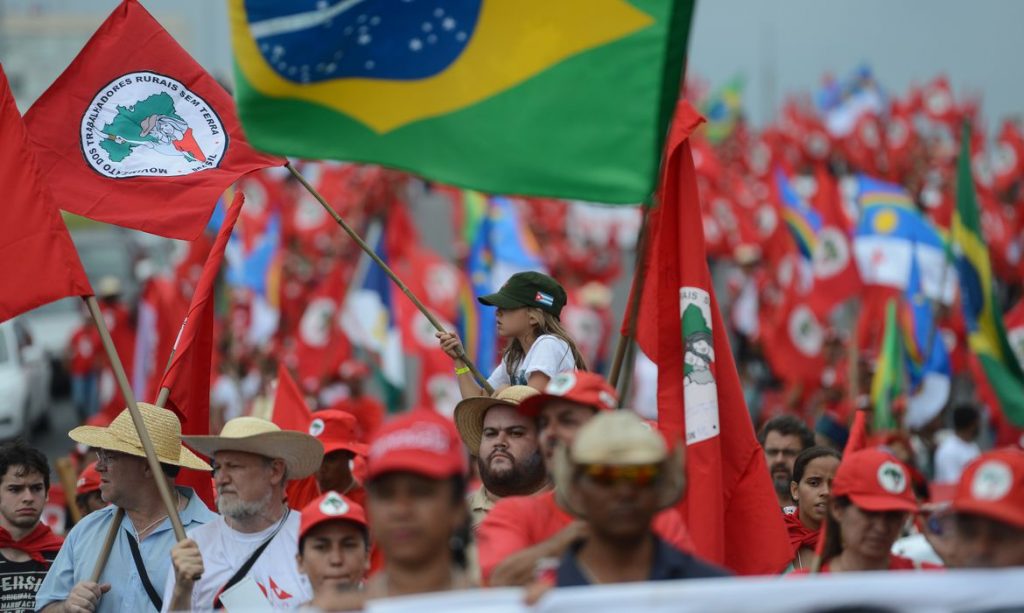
(813, 472)
(870, 502)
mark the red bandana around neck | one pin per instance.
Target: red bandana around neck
(799, 534)
(40, 540)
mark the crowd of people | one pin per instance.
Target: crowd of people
(564, 489)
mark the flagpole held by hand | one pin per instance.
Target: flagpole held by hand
(133, 409)
(387, 270)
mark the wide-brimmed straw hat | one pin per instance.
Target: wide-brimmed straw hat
(302, 453)
(164, 430)
(617, 438)
(469, 413)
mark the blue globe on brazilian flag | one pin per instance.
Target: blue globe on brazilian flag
(562, 98)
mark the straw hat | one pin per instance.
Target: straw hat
(617, 438)
(469, 413)
(301, 452)
(164, 430)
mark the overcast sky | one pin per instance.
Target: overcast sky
(780, 46)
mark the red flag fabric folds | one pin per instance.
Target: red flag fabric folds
(730, 506)
(136, 133)
(188, 376)
(41, 262)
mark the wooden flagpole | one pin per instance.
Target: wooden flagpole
(66, 475)
(482, 380)
(133, 409)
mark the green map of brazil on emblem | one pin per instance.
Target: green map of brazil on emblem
(145, 124)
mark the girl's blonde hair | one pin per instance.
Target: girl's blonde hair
(514, 353)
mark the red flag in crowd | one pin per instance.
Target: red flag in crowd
(730, 506)
(835, 269)
(42, 264)
(290, 412)
(137, 134)
(188, 375)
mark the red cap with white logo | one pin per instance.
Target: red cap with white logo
(330, 507)
(875, 481)
(88, 481)
(581, 387)
(993, 486)
(336, 430)
(420, 442)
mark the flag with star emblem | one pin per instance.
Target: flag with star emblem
(566, 99)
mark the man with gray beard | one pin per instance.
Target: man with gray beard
(246, 558)
(505, 446)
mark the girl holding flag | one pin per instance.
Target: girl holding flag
(529, 306)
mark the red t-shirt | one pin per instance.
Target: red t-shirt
(83, 346)
(518, 522)
(895, 563)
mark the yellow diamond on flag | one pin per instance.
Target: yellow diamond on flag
(512, 42)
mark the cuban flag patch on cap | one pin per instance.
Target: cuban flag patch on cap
(545, 299)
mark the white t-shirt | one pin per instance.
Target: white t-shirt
(225, 550)
(548, 354)
(227, 393)
(952, 456)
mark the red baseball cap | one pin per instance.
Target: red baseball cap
(88, 481)
(875, 481)
(336, 430)
(331, 506)
(993, 486)
(420, 442)
(578, 386)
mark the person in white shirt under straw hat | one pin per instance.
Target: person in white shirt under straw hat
(247, 557)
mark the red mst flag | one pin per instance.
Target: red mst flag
(730, 506)
(41, 264)
(136, 133)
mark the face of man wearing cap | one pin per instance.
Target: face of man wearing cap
(982, 542)
(780, 451)
(558, 422)
(618, 502)
(22, 496)
(334, 555)
(335, 473)
(412, 517)
(868, 534)
(509, 458)
(245, 483)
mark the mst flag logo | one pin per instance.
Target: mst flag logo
(145, 124)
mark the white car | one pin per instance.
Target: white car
(24, 381)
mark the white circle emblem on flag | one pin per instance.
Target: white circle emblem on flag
(992, 481)
(831, 253)
(805, 331)
(145, 124)
(315, 325)
(892, 477)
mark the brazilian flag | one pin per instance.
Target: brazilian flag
(887, 382)
(986, 334)
(559, 98)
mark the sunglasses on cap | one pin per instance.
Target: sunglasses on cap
(637, 474)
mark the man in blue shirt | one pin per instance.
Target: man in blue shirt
(130, 581)
(617, 475)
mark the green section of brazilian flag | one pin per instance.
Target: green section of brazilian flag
(986, 333)
(563, 98)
